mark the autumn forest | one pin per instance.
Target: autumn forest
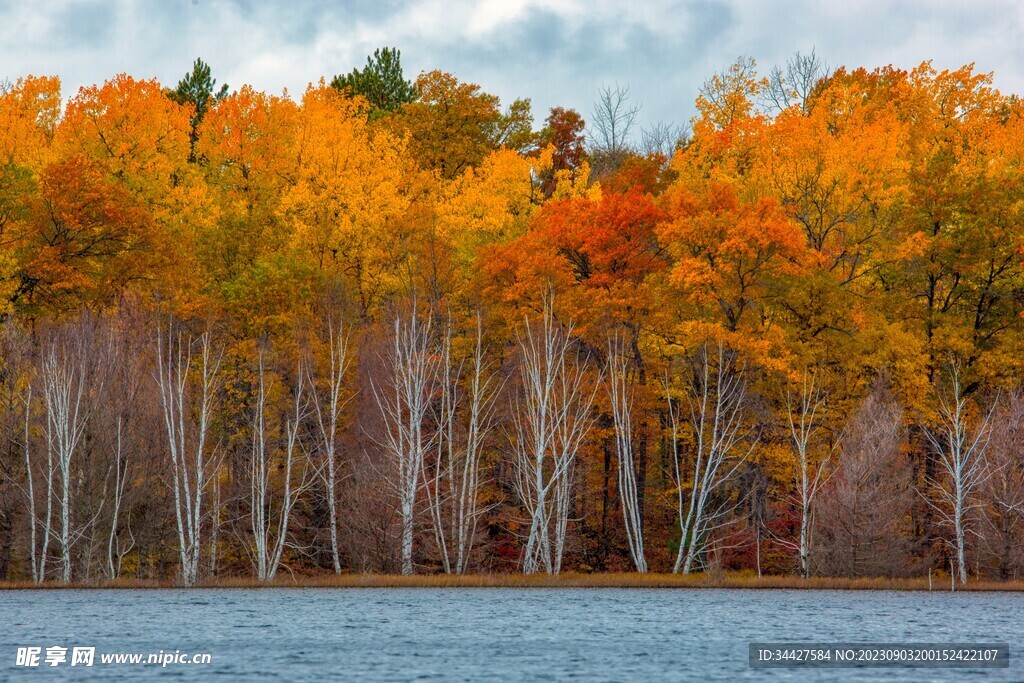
(395, 325)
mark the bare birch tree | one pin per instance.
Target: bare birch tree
(804, 419)
(37, 555)
(187, 405)
(270, 532)
(404, 403)
(117, 432)
(961, 451)
(327, 404)
(717, 398)
(453, 490)
(39, 568)
(551, 417)
(72, 376)
(620, 393)
(115, 551)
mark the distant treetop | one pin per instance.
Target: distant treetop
(197, 89)
(382, 82)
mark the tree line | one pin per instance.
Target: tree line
(391, 327)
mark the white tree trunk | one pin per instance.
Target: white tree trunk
(215, 521)
(187, 427)
(37, 558)
(551, 418)
(717, 400)
(453, 488)
(115, 554)
(404, 402)
(270, 535)
(327, 404)
(804, 421)
(66, 399)
(48, 520)
(620, 393)
(962, 455)
(258, 478)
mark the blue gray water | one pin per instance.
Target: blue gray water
(492, 634)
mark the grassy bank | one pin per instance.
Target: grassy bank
(566, 580)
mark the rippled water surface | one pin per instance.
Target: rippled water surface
(493, 634)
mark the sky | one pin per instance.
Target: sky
(556, 52)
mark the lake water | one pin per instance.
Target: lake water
(491, 634)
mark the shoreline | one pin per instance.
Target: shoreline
(566, 580)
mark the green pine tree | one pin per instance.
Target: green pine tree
(197, 89)
(382, 82)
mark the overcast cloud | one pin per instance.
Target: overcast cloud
(557, 52)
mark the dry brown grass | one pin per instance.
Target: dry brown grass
(566, 580)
